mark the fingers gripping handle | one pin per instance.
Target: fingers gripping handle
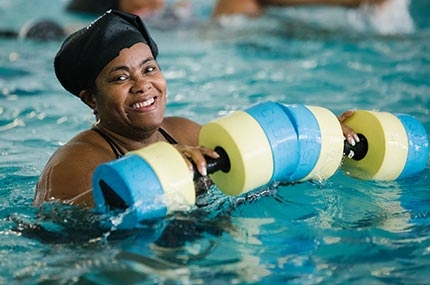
(358, 151)
(215, 164)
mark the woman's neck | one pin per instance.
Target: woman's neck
(137, 141)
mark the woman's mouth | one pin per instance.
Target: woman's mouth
(143, 104)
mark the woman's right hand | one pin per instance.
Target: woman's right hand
(196, 155)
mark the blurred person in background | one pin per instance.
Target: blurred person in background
(144, 9)
(255, 8)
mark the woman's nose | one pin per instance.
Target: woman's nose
(141, 84)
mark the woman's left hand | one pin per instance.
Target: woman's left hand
(348, 132)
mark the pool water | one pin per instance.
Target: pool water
(342, 230)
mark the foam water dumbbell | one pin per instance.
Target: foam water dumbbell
(397, 146)
(264, 143)
(143, 185)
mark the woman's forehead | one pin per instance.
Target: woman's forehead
(135, 55)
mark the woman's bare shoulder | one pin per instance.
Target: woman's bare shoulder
(87, 144)
(68, 173)
(183, 130)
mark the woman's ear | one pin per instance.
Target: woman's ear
(88, 98)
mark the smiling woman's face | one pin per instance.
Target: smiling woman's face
(130, 94)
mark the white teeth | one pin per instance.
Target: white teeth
(143, 104)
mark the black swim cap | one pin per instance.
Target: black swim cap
(86, 52)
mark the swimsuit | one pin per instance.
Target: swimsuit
(202, 184)
(167, 136)
(117, 150)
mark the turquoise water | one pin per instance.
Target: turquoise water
(343, 230)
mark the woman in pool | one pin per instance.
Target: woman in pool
(111, 66)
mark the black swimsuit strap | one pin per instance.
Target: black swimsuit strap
(115, 148)
(167, 136)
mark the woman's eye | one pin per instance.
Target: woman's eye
(120, 78)
(150, 69)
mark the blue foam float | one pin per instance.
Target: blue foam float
(282, 136)
(309, 138)
(418, 146)
(128, 185)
